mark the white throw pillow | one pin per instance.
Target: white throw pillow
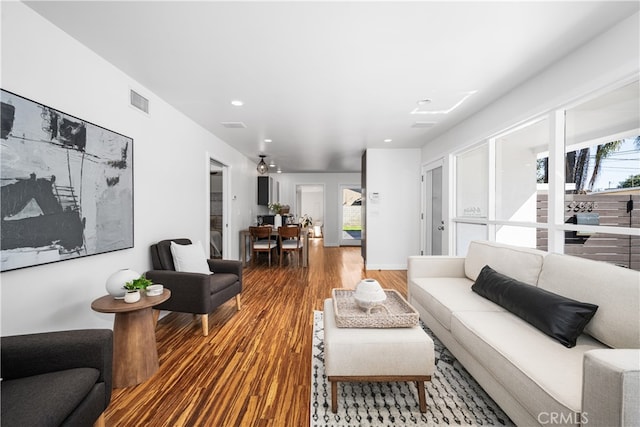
(190, 258)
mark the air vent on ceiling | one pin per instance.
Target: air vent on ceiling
(423, 124)
(139, 101)
(234, 125)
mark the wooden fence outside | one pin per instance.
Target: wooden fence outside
(608, 209)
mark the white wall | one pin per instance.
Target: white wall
(332, 197)
(171, 171)
(393, 219)
(608, 59)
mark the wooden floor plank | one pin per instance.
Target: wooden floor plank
(254, 368)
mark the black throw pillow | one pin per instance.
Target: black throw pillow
(557, 316)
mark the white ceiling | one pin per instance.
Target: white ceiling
(326, 80)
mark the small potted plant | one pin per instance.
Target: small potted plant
(133, 289)
(275, 207)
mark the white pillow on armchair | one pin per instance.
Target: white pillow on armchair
(190, 258)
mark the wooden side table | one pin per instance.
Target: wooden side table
(135, 355)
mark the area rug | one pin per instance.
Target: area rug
(453, 396)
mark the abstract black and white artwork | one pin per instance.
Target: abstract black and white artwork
(66, 186)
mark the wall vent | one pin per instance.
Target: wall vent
(139, 101)
(234, 125)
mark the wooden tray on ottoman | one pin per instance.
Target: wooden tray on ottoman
(398, 312)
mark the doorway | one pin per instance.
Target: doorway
(217, 218)
(310, 203)
(350, 215)
(433, 226)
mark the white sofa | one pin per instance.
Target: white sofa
(535, 379)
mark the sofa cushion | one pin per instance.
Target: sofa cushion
(559, 317)
(45, 399)
(542, 375)
(615, 290)
(522, 264)
(442, 296)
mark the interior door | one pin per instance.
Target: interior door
(434, 232)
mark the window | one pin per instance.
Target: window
(472, 180)
(465, 233)
(518, 195)
(602, 172)
(503, 188)
(472, 202)
(522, 236)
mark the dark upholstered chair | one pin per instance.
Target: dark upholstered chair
(56, 378)
(194, 292)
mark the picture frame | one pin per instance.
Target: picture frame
(66, 186)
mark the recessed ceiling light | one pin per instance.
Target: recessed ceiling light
(279, 170)
(388, 140)
(237, 103)
(268, 140)
(272, 164)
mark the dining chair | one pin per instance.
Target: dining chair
(289, 238)
(261, 242)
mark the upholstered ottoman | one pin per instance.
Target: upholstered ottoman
(376, 355)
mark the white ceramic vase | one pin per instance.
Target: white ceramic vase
(132, 296)
(116, 281)
(369, 293)
(277, 221)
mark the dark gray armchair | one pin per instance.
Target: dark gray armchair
(56, 378)
(194, 292)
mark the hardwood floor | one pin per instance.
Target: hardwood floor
(254, 368)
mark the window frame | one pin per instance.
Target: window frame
(555, 225)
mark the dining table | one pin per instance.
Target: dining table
(245, 244)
